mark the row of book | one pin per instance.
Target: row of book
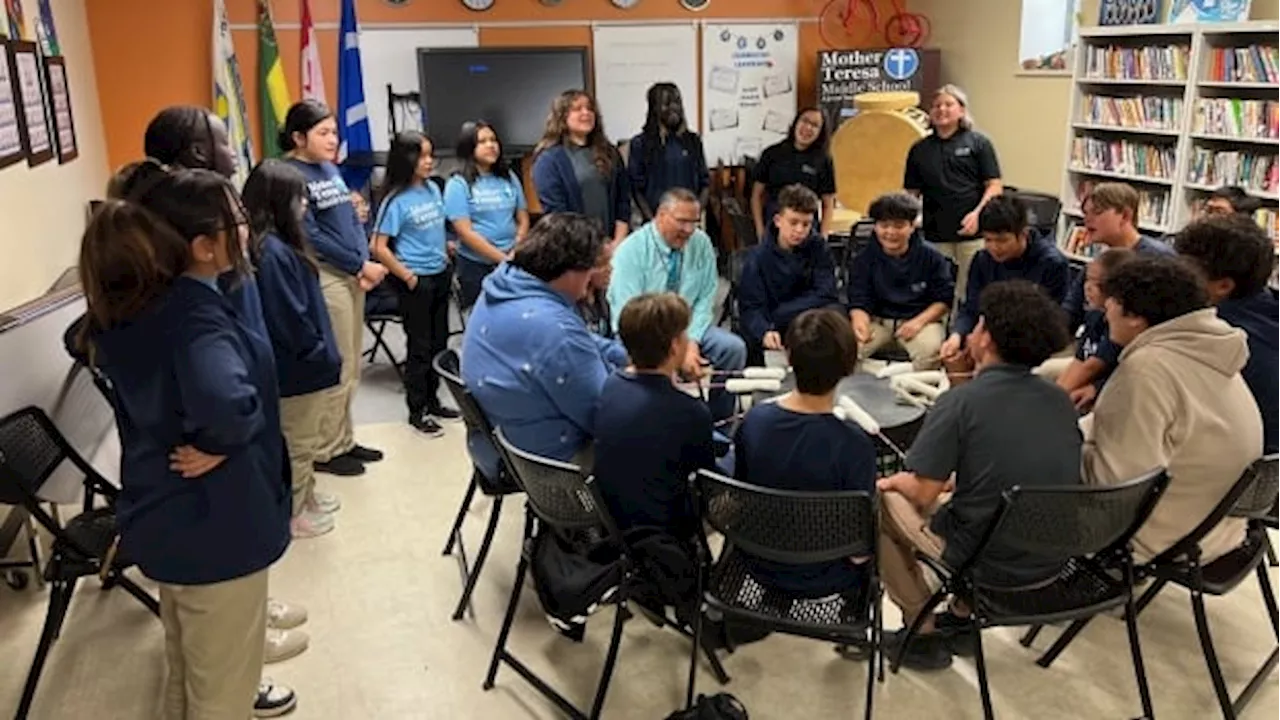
(1151, 62)
(1123, 156)
(1255, 63)
(1269, 219)
(1211, 167)
(1141, 112)
(1235, 117)
(1155, 208)
(1076, 240)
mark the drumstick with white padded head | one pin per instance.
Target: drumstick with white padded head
(894, 368)
(753, 373)
(853, 411)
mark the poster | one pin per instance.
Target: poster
(842, 74)
(748, 88)
(10, 132)
(60, 101)
(29, 86)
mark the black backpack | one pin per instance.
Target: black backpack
(721, 706)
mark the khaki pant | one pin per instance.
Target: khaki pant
(923, 348)
(1053, 368)
(345, 301)
(213, 647)
(903, 531)
(300, 421)
(962, 252)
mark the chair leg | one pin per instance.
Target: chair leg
(915, 628)
(1149, 595)
(1135, 649)
(494, 513)
(980, 659)
(871, 661)
(611, 658)
(1259, 678)
(33, 548)
(693, 655)
(1211, 656)
(141, 595)
(1030, 635)
(462, 516)
(1271, 553)
(1062, 642)
(59, 603)
(1268, 597)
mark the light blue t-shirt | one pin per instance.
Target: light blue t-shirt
(415, 218)
(490, 204)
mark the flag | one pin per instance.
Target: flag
(46, 31)
(17, 22)
(273, 92)
(353, 117)
(228, 92)
(312, 73)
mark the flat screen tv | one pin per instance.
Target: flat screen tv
(510, 88)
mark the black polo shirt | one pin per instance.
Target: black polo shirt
(782, 164)
(950, 175)
(1006, 427)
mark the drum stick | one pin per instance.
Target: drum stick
(753, 373)
(863, 418)
(916, 387)
(895, 368)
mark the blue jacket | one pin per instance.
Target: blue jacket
(899, 288)
(1042, 263)
(332, 227)
(558, 189)
(1258, 316)
(306, 351)
(1074, 303)
(533, 366)
(777, 285)
(192, 370)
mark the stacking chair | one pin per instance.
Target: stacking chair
(1088, 530)
(31, 450)
(494, 480)
(1180, 565)
(792, 528)
(382, 308)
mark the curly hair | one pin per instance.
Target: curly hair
(1003, 214)
(1229, 246)
(557, 131)
(1026, 325)
(1156, 288)
(560, 243)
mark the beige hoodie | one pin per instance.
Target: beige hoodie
(1177, 401)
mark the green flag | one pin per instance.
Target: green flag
(273, 92)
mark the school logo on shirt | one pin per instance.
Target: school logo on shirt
(328, 193)
(424, 215)
(492, 197)
(808, 169)
(1088, 347)
(964, 151)
(919, 286)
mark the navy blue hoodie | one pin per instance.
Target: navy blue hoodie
(778, 285)
(1259, 316)
(1042, 263)
(306, 352)
(331, 222)
(559, 191)
(192, 370)
(900, 288)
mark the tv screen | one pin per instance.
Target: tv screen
(510, 88)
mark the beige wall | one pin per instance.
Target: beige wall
(1025, 115)
(42, 209)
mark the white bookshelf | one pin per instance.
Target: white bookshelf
(1168, 101)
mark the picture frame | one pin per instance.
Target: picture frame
(26, 72)
(1217, 11)
(64, 122)
(11, 146)
(1130, 12)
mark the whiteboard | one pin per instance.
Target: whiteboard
(390, 55)
(628, 59)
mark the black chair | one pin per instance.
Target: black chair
(792, 528)
(1088, 530)
(730, 312)
(496, 488)
(404, 111)
(382, 308)
(1181, 565)
(559, 500)
(1043, 209)
(31, 450)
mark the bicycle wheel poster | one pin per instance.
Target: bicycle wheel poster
(748, 88)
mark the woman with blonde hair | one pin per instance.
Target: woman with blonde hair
(576, 169)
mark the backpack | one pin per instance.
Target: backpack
(721, 706)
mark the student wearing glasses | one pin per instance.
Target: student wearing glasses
(802, 158)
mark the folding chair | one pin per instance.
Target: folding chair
(31, 449)
(1087, 529)
(382, 308)
(1181, 565)
(794, 528)
(489, 473)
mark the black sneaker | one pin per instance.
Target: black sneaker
(273, 700)
(925, 652)
(364, 454)
(427, 425)
(446, 413)
(958, 631)
(343, 465)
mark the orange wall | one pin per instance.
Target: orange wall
(149, 54)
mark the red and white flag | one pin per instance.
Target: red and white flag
(312, 73)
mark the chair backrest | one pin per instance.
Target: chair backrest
(786, 526)
(743, 226)
(557, 491)
(1043, 209)
(1057, 523)
(31, 450)
(1190, 543)
(1258, 500)
(449, 367)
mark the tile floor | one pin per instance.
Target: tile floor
(383, 646)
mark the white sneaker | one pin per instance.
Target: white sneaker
(310, 524)
(284, 616)
(284, 644)
(273, 700)
(323, 503)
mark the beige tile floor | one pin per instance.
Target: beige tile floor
(383, 646)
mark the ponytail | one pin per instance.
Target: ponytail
(302, 116)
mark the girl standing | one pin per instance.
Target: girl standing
(412, 216)
(310, 141)
(801, 158)
(307, 360)
(485, 203)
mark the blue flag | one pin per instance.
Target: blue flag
(353, 118)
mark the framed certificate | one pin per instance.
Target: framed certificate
(26, 74)
(10, 130)
(64, 123)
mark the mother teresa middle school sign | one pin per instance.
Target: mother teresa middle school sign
(843, 74)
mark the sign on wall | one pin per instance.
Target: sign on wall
(748, 88)
(842, 74)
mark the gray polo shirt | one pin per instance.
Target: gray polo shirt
(595, 191)
(1006, 427)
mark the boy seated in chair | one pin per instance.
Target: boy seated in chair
(790, 271)
(797, 443)
(900, 287)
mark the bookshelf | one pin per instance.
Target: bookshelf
(1176, 111)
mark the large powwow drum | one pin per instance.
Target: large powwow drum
(870, 149)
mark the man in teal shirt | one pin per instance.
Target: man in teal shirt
(671, 254)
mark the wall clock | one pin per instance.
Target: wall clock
(625, 4)
(477, 5)
(695, 5)
(397, 3)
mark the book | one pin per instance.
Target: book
(1237, 118)
(1251, 170)
(1151, 62)
(1140, 112)
(1155, 209)
(1252, 64)
(1135, 159)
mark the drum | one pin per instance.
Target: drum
(870, 149)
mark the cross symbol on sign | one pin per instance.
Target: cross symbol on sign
(901, 63)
